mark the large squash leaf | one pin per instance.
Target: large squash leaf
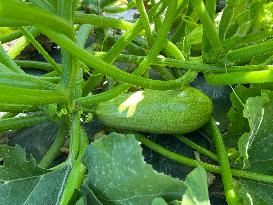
(118, 174)
(22, 182)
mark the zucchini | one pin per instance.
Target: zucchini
(154, 111)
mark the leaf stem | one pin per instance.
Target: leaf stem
(191, 64)
(21, 122)
(263, 76)
(11, 36)
(35, 16)
(22, 43)
(35, 65)
(145, 21)
(194, 163)
(54, 149)
(198, 148)
(41, 50)
(207, 23)
(226, 173)
(102, 21)
(7, 61)
(73, 182)
(123, 41)
(109, 69)
(245, 54)
(26, 96)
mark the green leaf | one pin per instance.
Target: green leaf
(22, 182)
(81, 201)
(238, 125)
(253, 193)
(118, 174)
(91, 197)
(197, 188)
(159, 201)
(16, 165)
(256, 146)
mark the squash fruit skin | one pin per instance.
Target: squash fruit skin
(153, 111)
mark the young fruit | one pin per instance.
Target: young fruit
(154, 111)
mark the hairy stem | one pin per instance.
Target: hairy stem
(198, 148)
(194, 163)
(54, 149)
(230, 193)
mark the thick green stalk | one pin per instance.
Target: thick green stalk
(54, 80)
(145, 21)
(21, 122)
(84, 141)
(81, 39)
(102, 21)
(4, 68)
(245, 54)
(25, 81)
(7, 22)
(35, 65)
(192, 64)
(181, 64)
(124, 40)
(83, 34)
(157, 19)
(65, 9)
(181, 28)
(254, 38)
(227, 179)
(35, 16)
(54, 148)
(225, 22)
(75, 127)
(77, 174)
(211, 8)
(12, 95)
(112, 54)
(70, 75)
(41, 50)
(263, 76)
(194, 163)
(172, 50)
(147, 62)
(160, 39)
(73, 182)
(198, 148)
(51, 74)
(207, 23)
(7, 61)
(21, 44)
(108, 69)
(17, 108)
(78, 137)
(101, 97)
(11, 36)
(206, 44)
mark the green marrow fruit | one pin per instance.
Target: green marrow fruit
(154, 111)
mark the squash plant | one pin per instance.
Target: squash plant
(177, 39)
